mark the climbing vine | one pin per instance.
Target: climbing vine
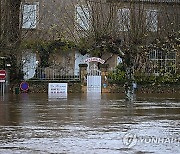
(45, 48)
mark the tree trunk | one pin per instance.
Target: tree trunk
(129, 85)
(14, 29)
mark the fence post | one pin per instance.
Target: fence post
(2, 88)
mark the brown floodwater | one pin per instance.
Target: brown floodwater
(89, 123)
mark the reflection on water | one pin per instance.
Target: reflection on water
(89, 123)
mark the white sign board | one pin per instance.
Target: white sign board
(57, 90)
(94, 59)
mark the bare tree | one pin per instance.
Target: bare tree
(10, 31)
(130, 29)
(10, 34)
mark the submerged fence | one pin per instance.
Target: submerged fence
(58, 74)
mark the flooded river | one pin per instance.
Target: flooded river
(106, 123)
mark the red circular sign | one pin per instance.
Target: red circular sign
(24, 86)
(2, 74)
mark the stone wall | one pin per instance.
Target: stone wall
(147, 89)
(74, 87)
(42, 87)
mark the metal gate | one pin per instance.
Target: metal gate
(94, 79)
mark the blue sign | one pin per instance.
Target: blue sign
(104, 85)
(24, 86)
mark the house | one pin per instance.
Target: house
(141, 21)
(74, 19)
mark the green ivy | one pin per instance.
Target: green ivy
(118, 76)
(45, 48)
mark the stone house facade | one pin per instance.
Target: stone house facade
(71, 19)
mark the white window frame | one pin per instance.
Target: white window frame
(123, 15)
(30, 15)
(152, 20)
(161, 61)
(82, 16)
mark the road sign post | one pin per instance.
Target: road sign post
(2, 75)
(2, 81)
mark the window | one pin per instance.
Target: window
(82, 18)
(163, 62)
(123, 19)
(30, 15)
(29, 64)
(79, 59)
(152, 20)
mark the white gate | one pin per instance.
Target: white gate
(94, 79)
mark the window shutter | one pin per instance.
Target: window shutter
(124, 19)
(82, 17)
(152, 20)
(29, 16)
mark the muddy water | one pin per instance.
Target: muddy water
(32, 123)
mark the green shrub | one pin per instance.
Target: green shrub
(167, 78)
(119, 77)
